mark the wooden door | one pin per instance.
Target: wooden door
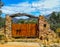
(24, 30)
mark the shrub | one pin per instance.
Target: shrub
(58, 31)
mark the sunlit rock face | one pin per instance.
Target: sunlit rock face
(44, 29)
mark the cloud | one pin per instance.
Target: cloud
(24, 7)
(44, 7)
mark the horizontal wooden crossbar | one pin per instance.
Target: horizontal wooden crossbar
(23, 14)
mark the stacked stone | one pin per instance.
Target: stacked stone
(2, 30)
(8, 26)
(45, 33)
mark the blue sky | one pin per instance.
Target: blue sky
(33, 7)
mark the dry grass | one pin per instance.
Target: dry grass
(20, 44)
(15, 46)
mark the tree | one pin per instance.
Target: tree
(54, 20)
(32, 20)
(1, 23)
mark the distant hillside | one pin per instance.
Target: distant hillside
(28, 20)
(54, 20)
(14, 20)
(56, 13)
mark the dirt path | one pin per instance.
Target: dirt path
(20, 44)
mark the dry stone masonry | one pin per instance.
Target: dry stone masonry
(8, 26)
(45, 33)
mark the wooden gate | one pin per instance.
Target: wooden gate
(24, 30)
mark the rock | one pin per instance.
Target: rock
(8, 27)
(45, 33)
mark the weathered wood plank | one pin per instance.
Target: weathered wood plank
(24, 30)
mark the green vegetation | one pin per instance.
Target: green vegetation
(54, 20)
(58, 31)
(27, 21)
(2, 22)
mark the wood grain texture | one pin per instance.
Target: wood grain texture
(24, 30)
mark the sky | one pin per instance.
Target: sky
(33, 7)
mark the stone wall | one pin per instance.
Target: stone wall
(44, 29)
(8, 26)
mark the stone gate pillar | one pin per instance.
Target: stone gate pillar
(8, 26)
(44, 29)
(41, 22)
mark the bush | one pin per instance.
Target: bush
(1, 37)
(58, 31)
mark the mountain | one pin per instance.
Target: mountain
(14, 20)
(56, 13)
(28, 20)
